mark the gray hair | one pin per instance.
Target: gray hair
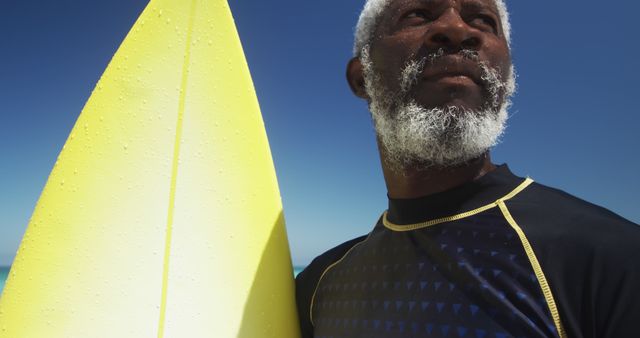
(373, 9)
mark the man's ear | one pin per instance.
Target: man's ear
(355, 78)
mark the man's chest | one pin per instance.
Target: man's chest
(469, 278)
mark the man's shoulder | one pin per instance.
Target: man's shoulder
(588, 255)
(315, 269)
(556, 217)
(558, 203)
(308, 279)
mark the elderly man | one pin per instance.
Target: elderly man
(466, 248)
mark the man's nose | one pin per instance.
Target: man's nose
(451, 32)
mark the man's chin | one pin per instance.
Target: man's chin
(454, 103)
(402, 164)
(442, 136)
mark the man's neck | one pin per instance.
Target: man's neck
(413, 183)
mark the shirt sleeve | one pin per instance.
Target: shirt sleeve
(308, 279)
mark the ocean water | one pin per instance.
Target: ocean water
(4, 272)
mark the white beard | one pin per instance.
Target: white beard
(419, 137)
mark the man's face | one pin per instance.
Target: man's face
(438, 78)
(450, 39)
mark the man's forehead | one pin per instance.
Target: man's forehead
(467, 3)
(394, 6)
(374, 9)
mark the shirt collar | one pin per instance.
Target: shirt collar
(468, 196)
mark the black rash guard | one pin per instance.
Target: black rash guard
(501, 256)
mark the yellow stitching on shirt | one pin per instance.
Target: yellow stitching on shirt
(416, 226)
(542, 280)
(313, 297)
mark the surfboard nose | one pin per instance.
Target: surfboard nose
(162, 215)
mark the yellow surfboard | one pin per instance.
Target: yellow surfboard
(162, 216)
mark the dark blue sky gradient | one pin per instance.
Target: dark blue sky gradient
(573, 123)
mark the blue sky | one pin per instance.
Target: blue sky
(573, 123)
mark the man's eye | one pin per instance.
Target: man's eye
(417, 16)
(485, 21)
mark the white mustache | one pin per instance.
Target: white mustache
(495, 85)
